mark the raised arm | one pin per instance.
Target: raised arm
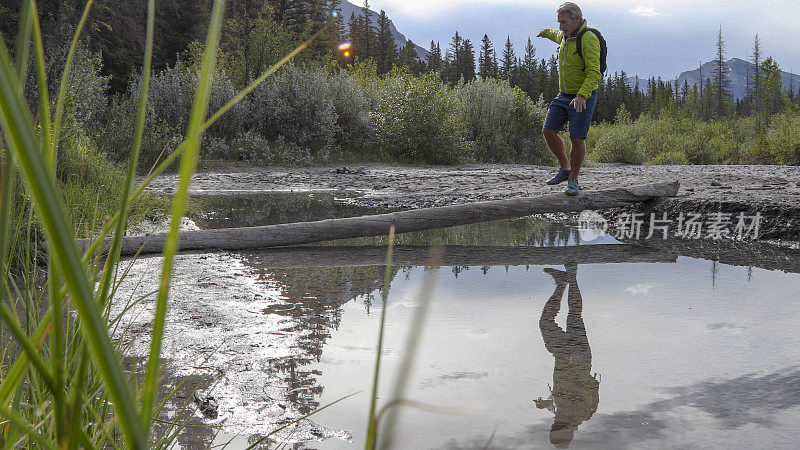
(553, 35)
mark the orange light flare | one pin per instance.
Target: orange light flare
(345, 49)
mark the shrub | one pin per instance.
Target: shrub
(619, 143)
(782, 139)
(90, 181)
(502, 123)
(417, 120)
(525, 130)
(86, 86)
(296, 108)
(352, 102)
(486, 107)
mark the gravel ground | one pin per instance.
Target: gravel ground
(774, 191)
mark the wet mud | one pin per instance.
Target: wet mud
(681, 331)
(774, 191)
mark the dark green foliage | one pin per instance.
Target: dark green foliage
(386, 51)
(316, 110)
(435, 58)
(487, 58)
(467, 61)
(254, 44)
(509, 61)
(409, 60)
(452, 64)
(502, 123)
(417, 120)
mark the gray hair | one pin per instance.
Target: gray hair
(572, 9)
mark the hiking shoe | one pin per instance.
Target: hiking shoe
(572, 186)
(560, 177)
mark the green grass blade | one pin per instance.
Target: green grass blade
(113, 255)
(57, 352)
(62, 90)
(17, 124)
(30, 431)
(76, 397)
(372, 427)
(22, 49)
(41, 79)
(14, 376)
(35, 358)
(410, 350)
(7, 187)
(179, 202)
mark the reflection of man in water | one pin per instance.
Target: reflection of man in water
(574, 396)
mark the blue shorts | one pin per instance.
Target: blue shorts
(560, 112)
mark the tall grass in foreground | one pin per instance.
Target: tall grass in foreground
(62, 383)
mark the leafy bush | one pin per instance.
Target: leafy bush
(502, 122)
(352, 101)
(782, 139)
(618, 143)
(671, 140)
(90, 181)
(486, 107)
(86, 86)
(417, 120)
(296, 108)
(525, 130)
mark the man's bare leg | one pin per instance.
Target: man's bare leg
(577, 154)
(556, 146)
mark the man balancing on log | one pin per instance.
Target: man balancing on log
(581, 62)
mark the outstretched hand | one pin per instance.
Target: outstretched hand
(579, 103)
(539, 35)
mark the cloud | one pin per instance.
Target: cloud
(644, 11)
(639, 289)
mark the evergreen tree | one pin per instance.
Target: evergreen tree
(721, 81)
(486, 59)
(453, 72)
(435, 58)
(757, 84)
(386, 51)
(367, 32)
(529, 69)
(508, 61)
(467, 61)
(409, 58)
(355, 26)
(336, 33)
(552, 79)
(773, 87)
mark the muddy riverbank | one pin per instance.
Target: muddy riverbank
(772, 191)
(691, 339)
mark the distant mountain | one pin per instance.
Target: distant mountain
(738, 71)
(399, 38)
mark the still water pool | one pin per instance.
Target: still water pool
(531, 339)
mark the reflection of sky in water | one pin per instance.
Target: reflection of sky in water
(689, 354)
(684, 359)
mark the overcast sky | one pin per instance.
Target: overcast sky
(659, 37)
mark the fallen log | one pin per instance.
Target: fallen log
(404, 221)
(454, 255)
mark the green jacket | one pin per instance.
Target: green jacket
(577, 75)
